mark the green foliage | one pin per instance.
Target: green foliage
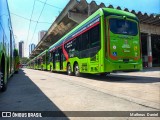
(24, 60)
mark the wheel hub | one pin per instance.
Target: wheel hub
(77, 69)
(69, 69)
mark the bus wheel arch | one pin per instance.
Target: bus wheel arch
(3, 74)
(76, 69)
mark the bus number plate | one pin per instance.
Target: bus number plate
(125, 60)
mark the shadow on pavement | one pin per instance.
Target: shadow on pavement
(146, 69)
(123, 78)
(120, 78)
(23, 95)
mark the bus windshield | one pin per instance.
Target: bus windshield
(121, 26)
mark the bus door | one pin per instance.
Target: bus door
(61, 58)
(54, 61)
(95, 46)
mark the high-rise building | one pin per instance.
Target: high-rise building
(31, 48)
(41, 34)
(21, 49)
(16, 45)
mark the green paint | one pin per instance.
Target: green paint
(117, 52)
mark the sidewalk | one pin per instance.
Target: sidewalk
(153, 72)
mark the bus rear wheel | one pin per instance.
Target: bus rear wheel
(69, 70)
(42, 68)
(51, 68)
(3, 85)
(76, 70)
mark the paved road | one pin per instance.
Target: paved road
(33, 90)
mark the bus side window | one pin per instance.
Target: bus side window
(63, 57)
(50, 56)
(57, 57)
(85, 41)
(74, 44)
(95, 36)
(43, 58)
(78, 43)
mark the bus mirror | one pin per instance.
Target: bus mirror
(124, 17)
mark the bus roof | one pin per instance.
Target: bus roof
(99, 12)
(41, 54)
(111, 11)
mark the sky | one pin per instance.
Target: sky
(24, 16)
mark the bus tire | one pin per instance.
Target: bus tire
(2, 84)
(4, 87)
(69, 70)
(104, 74)
(51, 68)
(76, 70)
(16, 72)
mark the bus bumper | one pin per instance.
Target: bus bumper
(113, 67)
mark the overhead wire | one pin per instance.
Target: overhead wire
(50, 5)
(29, 19)
(30, 22)
(45, 3)
(38, 20)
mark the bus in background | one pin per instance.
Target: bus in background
(42, 61)
(7, 45)
(107, 41)
(31, 64)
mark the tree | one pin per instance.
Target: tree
(24, 60)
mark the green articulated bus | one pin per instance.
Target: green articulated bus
(31, 64)
(7, 46)
(42, 61)
(107, 41)
(35, 64)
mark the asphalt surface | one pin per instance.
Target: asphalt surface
(33, 90)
